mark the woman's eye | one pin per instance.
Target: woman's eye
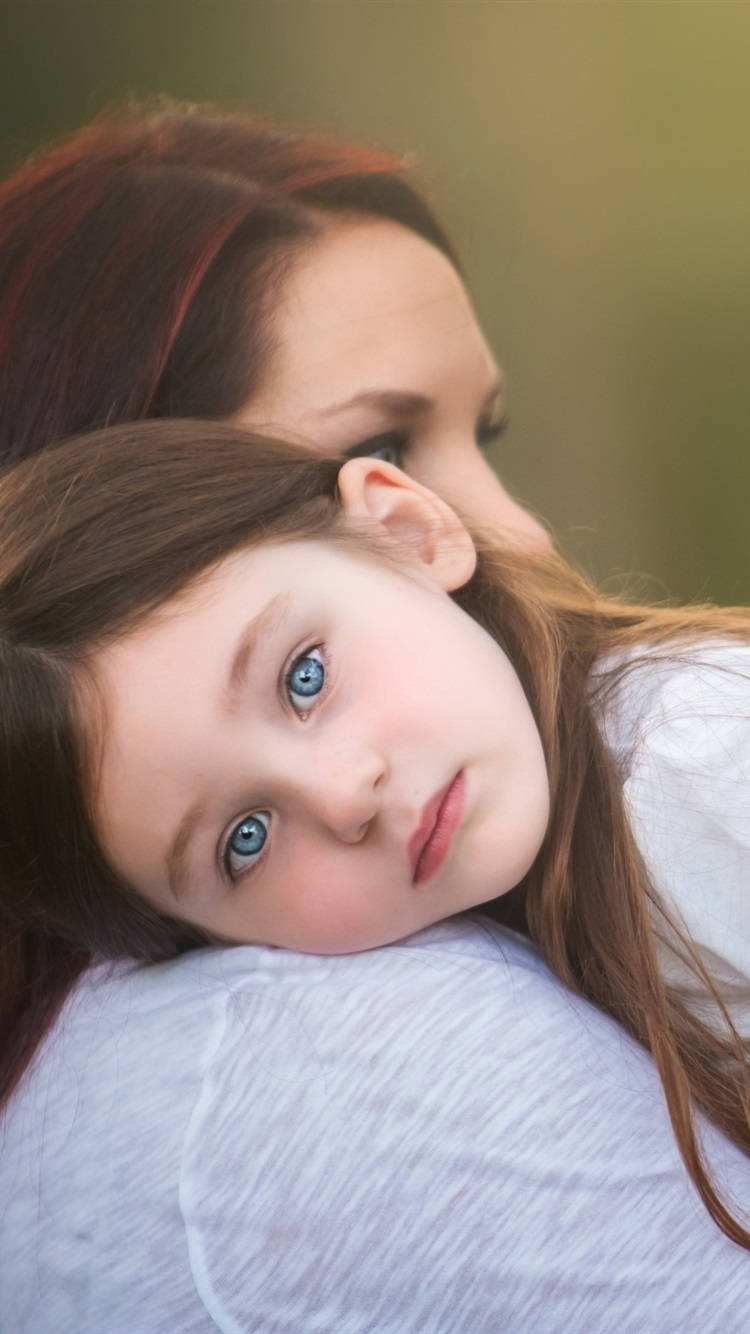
(490, 429)
(305, 680)
(246, 843)
(390, 446)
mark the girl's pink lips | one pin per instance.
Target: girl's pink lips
(431, 840)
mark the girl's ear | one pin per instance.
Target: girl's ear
(412, 515)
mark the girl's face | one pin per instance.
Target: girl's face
(317, 749)
(378, 351)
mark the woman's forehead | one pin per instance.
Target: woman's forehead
(370, 305)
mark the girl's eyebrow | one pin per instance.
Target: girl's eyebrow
(269, 619)
(177, 857)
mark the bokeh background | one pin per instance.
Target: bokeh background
(591, 162)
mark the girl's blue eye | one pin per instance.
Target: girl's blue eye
(246, 842)
(305, 679)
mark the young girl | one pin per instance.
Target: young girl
(252, 695)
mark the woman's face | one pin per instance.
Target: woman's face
(378, 352)
(316, 749)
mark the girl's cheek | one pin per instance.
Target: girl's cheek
(331, 915)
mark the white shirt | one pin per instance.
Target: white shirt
(680, 731)
(429, 1138)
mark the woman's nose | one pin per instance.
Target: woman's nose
(343, 791)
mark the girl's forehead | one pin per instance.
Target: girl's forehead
(282, 572)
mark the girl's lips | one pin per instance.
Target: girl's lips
(429, 844)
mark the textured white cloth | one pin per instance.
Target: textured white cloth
(429, 1138)
(681, 733)
(432, 1137)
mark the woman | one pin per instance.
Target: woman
(172, 263)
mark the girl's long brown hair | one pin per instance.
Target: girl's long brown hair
(98, 532)
(140, 262)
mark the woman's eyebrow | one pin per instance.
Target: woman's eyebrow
(400, 402)
(268, 620)
(394, 400)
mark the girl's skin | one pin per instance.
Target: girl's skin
(378, 350)
(280, 738)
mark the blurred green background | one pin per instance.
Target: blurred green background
(591, 161)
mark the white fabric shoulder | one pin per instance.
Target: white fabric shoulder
(432, 1138)
(680, 729)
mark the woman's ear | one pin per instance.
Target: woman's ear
(412, 515)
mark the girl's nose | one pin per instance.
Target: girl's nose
(344, 791)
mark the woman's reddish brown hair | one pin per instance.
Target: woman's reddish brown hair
(140, 260)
